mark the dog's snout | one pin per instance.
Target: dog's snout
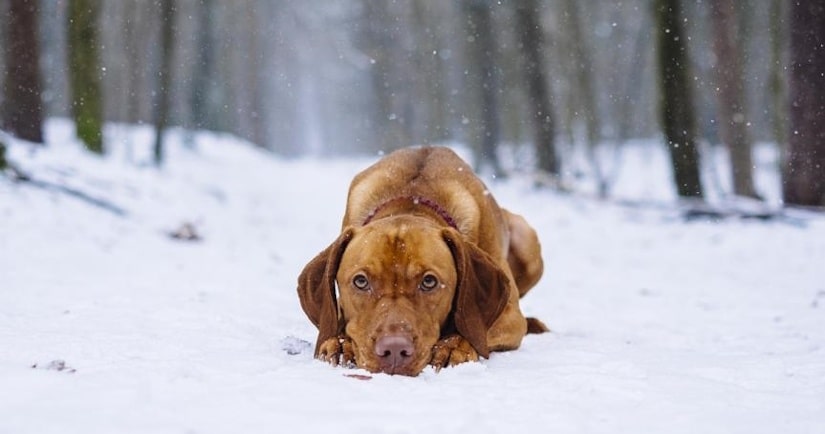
(394, 352)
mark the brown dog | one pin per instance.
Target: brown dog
(429, 269)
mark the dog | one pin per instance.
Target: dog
(427, 270)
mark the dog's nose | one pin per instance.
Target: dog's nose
(394, 352)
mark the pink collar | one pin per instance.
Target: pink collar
(416, 200)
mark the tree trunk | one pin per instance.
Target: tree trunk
(730, 95)
(482, 84)
(778, 84)
(804, 169)
(585, 87)
(85, 73)
(167, 17)
(531, 39)
(3, 162)
(430, 92)
(676, 98)
(201, 103)
(23, 107)
(383, 44)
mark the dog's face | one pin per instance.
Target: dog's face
(396, 280)
(401, 282)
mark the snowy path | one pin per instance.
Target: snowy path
(659, 325)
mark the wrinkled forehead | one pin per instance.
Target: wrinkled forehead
(401, 246)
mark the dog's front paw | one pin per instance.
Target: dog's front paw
(451, 351)
(337, 351)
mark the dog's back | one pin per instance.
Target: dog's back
(435, 174)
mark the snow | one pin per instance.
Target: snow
(659, 325)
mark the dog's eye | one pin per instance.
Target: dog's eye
(360, 281)
(429, 282)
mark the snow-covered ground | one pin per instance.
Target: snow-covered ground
(660, 325)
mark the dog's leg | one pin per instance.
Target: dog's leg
(337, 351)
(451, 351)
(509, 328)
(524, 253)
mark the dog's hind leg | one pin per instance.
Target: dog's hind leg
(524, 253)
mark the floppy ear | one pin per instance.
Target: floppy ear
(316, 289)
(482, 292)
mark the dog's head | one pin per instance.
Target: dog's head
(402, 283)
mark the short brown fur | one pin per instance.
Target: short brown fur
(416, 217)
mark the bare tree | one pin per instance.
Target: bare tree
(3, 162)
(777, 78)
(804, 169)
(84, 73)
(531, 41)
(482, 84)
(23, 109)
(165, 77)
(730, 95)
(383, 38)
(199, 100)
(676, 98)
(430, 111)
(585, 85)
(136, 47)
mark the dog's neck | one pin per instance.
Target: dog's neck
(403, 204)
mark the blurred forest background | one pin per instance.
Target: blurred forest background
(317, 77)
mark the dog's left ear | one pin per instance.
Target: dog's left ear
(482, 292)
(316, 289)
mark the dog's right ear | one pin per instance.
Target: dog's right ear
(316, 289)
